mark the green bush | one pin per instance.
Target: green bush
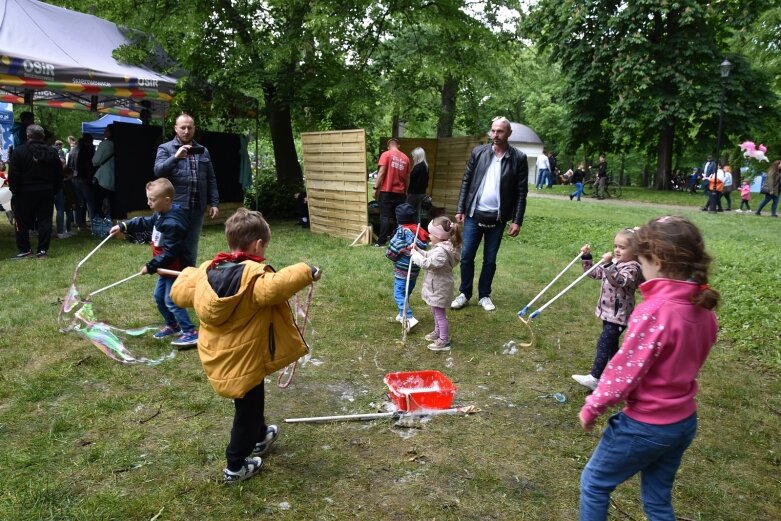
(273, 200)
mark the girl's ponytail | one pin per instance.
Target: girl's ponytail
(707, 297)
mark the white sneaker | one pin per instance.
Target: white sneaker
(459, 302)
(63, 235)
(486, 303)
(399, 319)
(586, 380)
(411, 322)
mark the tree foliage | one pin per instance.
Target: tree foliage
(648, 71)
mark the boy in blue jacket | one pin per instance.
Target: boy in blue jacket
(169, 225)
(399, 251)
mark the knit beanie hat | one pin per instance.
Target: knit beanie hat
(406, 214)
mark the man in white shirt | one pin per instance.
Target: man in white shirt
(543, 171)
(493, 193)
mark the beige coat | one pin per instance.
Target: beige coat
(438, 262)
(245, 336)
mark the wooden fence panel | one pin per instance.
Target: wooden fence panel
(336, 182)
(452, 156)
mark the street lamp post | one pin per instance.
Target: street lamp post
(725, 69)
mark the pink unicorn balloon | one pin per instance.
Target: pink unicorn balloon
(755, 152)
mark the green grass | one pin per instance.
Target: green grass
(669, 197)
(81, 440)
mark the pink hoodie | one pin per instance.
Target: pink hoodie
(665, 345)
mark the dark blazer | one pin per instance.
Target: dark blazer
(513, 184)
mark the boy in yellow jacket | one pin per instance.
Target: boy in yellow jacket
(247, 331)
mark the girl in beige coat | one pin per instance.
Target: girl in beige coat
(438, 286)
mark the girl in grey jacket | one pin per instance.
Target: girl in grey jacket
(438, 286)
(620, 275)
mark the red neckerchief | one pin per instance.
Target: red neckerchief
(234, 256)
(422, 233)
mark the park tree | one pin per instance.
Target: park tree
(647, 71)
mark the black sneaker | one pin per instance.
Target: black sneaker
(251, 467)
(262, 447)
(23, 255)
(41, 255)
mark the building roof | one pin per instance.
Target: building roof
(523, 134)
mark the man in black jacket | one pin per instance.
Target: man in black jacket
(493, 193)
(34, 177)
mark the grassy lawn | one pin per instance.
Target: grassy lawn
(643, 195)
(85, 438)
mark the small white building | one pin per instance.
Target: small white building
(527, 141)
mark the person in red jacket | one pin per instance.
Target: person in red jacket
(654, 373)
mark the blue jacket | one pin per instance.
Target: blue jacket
(166, 165)
(169, 234)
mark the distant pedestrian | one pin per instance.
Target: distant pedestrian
(543, 170)
(577, 179)
(727, 192)
(770, 189)
(745, 196)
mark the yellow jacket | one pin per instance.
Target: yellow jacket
(249, 334)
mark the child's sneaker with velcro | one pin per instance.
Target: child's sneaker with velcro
(250, 467)
(167, 331)
(262, 447)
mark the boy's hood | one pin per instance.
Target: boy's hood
(233, 282)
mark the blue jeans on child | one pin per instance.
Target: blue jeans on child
(492, 240)
(172, 313)
(398, 293)
(578, 191)
(626, 448)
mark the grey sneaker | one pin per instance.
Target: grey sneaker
(487, 304)
(262, 447)
(251, 467)
(439, 345)
(459, 302)
(432, 336)
(586, 380)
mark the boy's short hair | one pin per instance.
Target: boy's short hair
(161, 186)
(245, 227)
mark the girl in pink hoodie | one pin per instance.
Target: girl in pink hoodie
(654, 373)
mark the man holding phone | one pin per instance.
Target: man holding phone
(188, 166)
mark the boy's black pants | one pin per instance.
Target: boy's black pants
(249, 427)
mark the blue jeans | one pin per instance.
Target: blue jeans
(398, 293)
(542, 178)
(172, 313)
(773, 207)
(626, 448)
(193, 236)
(578, 191)
(473, 234)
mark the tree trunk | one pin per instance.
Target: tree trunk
(447, 110)
(398, 127)
(279, 121)
(664, 158)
